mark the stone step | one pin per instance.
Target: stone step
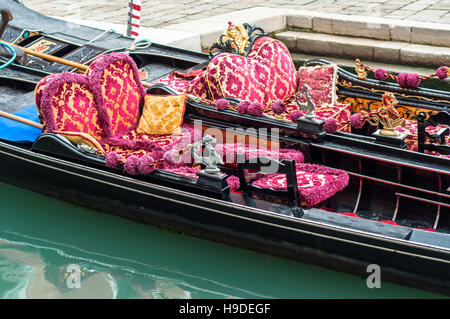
(372, 27)
(365, 49)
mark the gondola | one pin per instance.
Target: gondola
(383, 204)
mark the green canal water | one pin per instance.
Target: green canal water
(42, 238)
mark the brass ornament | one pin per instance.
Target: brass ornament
(387, 115)
(237, 35)
(360, 71)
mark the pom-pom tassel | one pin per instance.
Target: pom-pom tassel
(144, 166)
(131, 165)
(112, 159)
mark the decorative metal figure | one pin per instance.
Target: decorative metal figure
(387, 115)
(209, 157)
(309, 106)
(360, 71)
(237, 39)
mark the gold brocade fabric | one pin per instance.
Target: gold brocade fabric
(162, 114)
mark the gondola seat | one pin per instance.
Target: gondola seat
(243, 77)
(315, 183)
(102, 109)
(322, 79)
(301, 183)
(266, 75)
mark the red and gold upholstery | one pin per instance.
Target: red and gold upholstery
(339, 111)
(315, 183)
(189, 83)
(247, 78)
(68, 103)
(267, 74)
(118, 78)
(322, 81)
(184, 171)
(103, 108)
(162, 114)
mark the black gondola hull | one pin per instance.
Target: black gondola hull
(402, 261)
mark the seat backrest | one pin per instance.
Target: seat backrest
(267, 74)
(322, 80)
(261, 164)
(118, 78)
(440, 118)
(67, 102)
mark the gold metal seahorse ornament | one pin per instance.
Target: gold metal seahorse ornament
(387, 115)
(360, 71)
(238, 36)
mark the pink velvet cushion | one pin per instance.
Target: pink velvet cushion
(315, 183)
(118, 78)
(38, 91)
(267, 74)
(322, 81)
(134, 146)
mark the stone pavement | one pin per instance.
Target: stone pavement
(163, 13)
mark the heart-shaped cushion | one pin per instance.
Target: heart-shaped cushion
(68, 102)
(121, 90)
(265, 75)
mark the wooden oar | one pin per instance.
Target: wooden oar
(53, 58)
(21, 120)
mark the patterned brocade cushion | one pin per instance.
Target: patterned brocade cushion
(315, 183)
(38, 91)
(322, 81)
(265, 75)
(339, 111)
(122, 92)
(68, 102)
(162, 114)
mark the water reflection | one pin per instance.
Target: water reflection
(117, 258)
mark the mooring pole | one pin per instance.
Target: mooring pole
(134, 17)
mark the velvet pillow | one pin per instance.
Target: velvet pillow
(322, 81)
(162, 114)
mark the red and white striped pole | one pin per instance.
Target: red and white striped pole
(134, 17)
